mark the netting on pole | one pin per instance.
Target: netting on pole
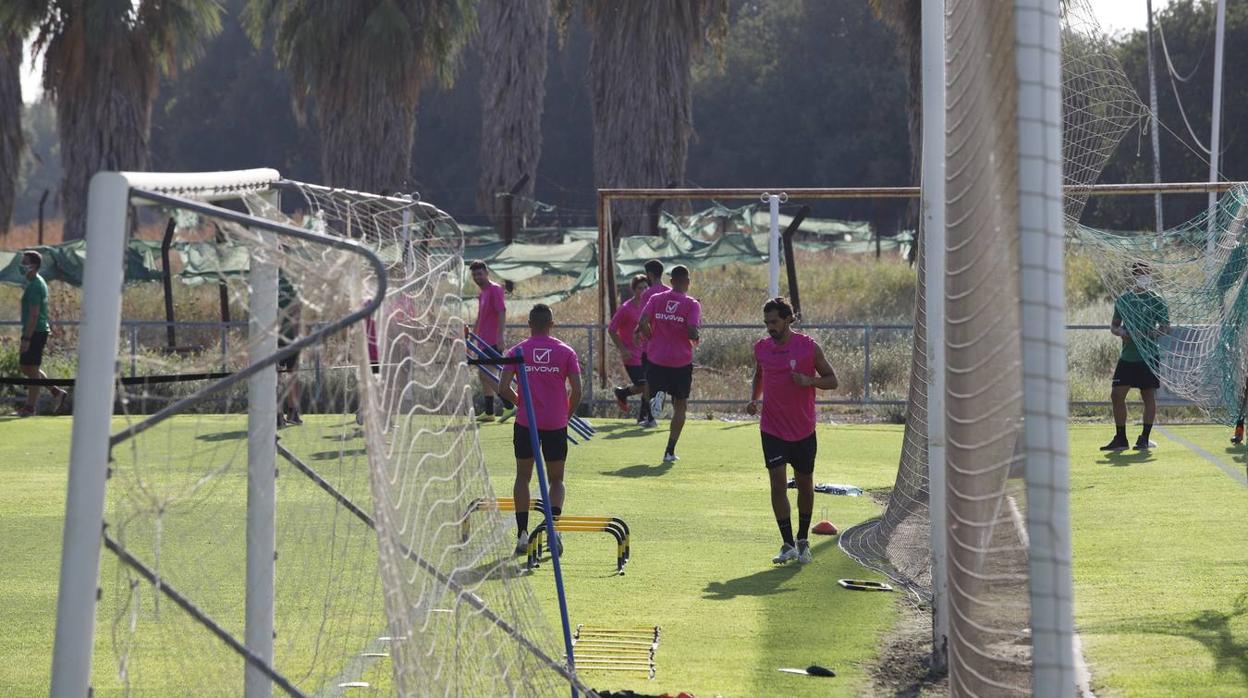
(377, 582)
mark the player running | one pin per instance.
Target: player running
(669, 322)
(623, 325)
(491, 328)
(788, 368)
(550, 365)
(653, 402)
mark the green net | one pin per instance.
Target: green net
(1187, 318)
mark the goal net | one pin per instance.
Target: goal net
(288, 513)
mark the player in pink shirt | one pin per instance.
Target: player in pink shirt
(669, 322)
(621, 330)
(491, 328)
(788, 367)
(651, 403)
(550, 366)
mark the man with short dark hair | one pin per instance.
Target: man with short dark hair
(654, 276)
(669, 322)
(621, 330)
(550, 365)
(788, 368)
(1146, 312)
(491, 327)
(35, 330)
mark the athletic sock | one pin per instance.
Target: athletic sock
(671, 447)
(489, 404)
(803, 524)
(1121, 434)
(645, 409)
(786, 530)
(556, 512)
(522, 522)
(1148, 429)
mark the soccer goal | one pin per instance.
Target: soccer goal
(349, 572)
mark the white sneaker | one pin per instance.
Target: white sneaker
(649, 423)
(787, 553)
(522, 543)
(670, 457)
(656, 404)
(803, 551)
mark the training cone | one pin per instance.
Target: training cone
(824, 528)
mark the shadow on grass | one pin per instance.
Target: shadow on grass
(640, 470)
(334, 455)
(1210, 627)
(224, 435)
(762, 583)
(621, 431)
(356, 433)
(1125, 458)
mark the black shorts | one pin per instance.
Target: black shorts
(554, 443)
(636, 374)
(289, 364)
(1135, 374)
(799, 454)
(33, 356)
(676, 382)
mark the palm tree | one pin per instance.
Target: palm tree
(513, 87)
(362, 64)
(640, 78)
(904, 18)
(102, 64)
(10, 122)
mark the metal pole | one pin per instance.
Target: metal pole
(42, 200)
(261, 469)
(166, 279)
(773, 244)
(555, 554)
(866, 363)
(933, 241)
(1155, 136)
(89, 450)
(1215, 137)
(790, 261)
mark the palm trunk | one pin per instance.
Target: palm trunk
(10, 124)
(366, 132)
(513, 87)
(642, 101)
(104, 90)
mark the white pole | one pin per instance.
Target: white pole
(1042, 308)
(107, 203)
(1215, 136)
(262, 331)
(1155, 135)
(933, 202)
(773, 247)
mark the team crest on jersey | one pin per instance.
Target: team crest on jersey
(541, 356)
(672, 306)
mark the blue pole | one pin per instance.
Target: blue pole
(535, 443)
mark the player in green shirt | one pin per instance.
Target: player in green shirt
(35, 331)
(1147, 316)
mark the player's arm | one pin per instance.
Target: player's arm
(1116, 328)
(695, 319)
(613, 331)
(1163, 327)
(505, 390)
(574, 395)
(756, 390)
(32, 321)
(643, 328)
(826, 380)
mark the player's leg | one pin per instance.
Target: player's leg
(523, 449)
(554, 456)
(1149, 396)
(506, 410)
(777, 478)
(654, 381)
(1238, 436)
(679, 385)
(487, 391)
(1118, 397)
(28, 363)
(802, 456)
(32, 391)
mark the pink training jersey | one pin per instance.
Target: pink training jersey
(623, 324)
(671, 314)
(645, 296)
(548, 363)
(788, 408)
(490, 306)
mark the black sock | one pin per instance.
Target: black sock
(489, 404)
(1121, 434)
(803, 525)
(1148, 429)
(786, 530)
(671, 446)
(645, 408)
(506, 403)
(522, 522)
(556, 511)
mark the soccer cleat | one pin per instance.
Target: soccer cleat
(25, 411)
(670, 457)
(1116, 445)
(522, 543)
(1238, 438)
(294, 418)
(649, 423)
(483, 418)
(803, 551)
(788, 553)
(1145, 445)
(507, 414)
(621, 399)
(656, 403)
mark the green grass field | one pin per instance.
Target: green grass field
(1161, 563)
